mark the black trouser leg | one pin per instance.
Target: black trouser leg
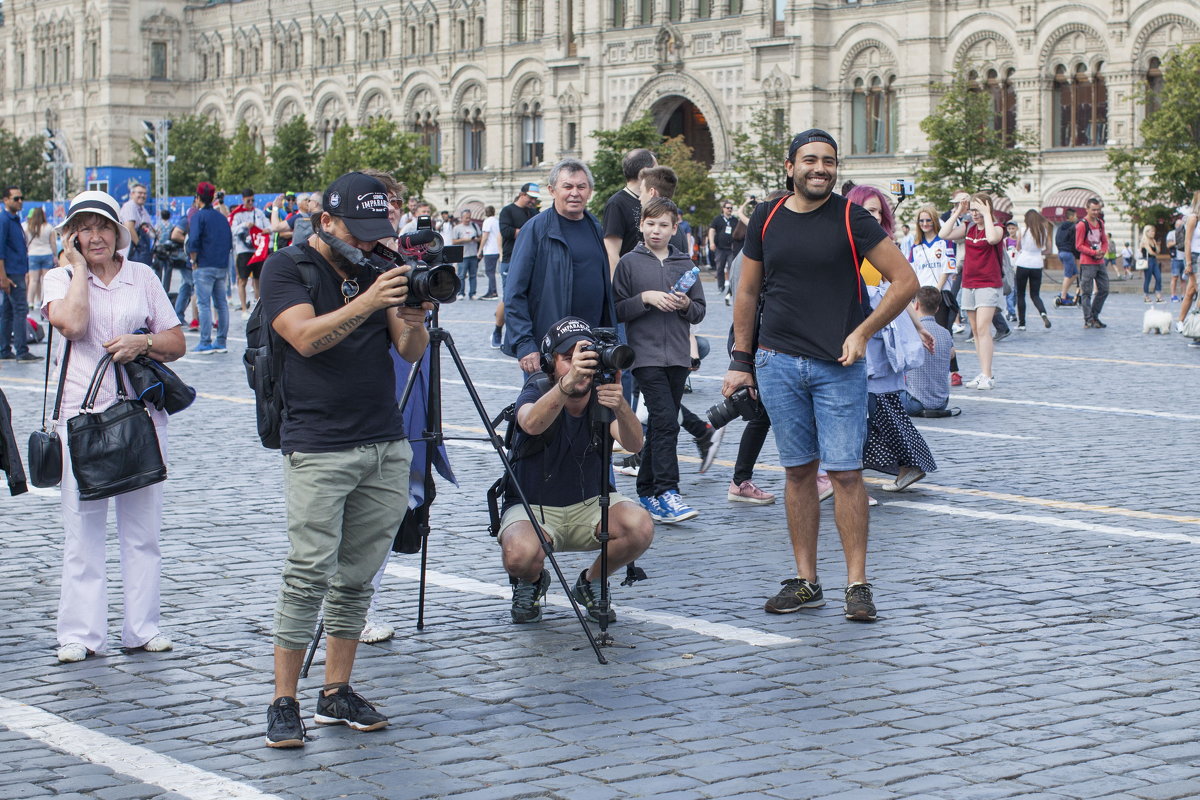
(662, 389)
(1022, 282)
(692, 424)
(754, 435)
(1035, 290)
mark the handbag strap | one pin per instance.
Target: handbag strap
(62, 381)
(89, 397)
(46, 383)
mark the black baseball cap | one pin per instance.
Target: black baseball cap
(807, 137)
(362, 203)
(564, 334)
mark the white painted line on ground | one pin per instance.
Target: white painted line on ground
(1128, 412)
(1053, 522)
(714, 630)
(136, 762)
(478, 385)
(956, 431)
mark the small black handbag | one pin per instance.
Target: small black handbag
(45, 448)
(115, 450)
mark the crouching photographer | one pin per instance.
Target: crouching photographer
(557, 462)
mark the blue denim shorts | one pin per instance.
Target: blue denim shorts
(818, 409)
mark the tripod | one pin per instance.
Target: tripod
(434, 437)
(602, 440)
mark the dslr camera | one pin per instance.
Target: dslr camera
(739, 404)
(433, 277)
(611, 354)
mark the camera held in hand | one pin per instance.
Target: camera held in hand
(433, 277)
(741, 403)
(611, 354)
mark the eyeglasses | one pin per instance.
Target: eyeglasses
(17, 199)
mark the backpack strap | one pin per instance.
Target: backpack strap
(775, 208)
(849, 236)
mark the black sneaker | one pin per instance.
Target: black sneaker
(27, 358)
(284, 726)
(527, 599)
(704, 443)
(587, 597)
(860, 607)
(347, 707)
(797, 593)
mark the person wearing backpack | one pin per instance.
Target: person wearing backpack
(1064, 242)
(346, 454)
(1091, 242)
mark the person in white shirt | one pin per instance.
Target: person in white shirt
(42, 246)
(489, 248)
(466, 233)
(1036, 242)
(933, 260)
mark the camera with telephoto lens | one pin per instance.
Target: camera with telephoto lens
(611, 354)
(433, 277)
(739, 404)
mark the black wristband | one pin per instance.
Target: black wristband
(741, 355)
(741, 366)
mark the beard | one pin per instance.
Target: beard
(816, 195)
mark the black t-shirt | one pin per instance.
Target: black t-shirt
(567, 470)
(723, 228)
(810, 280)
(587, 282)
(622, 216)
(512, 219)
(1064, 238)
(342, 397)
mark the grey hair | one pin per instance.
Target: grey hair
(570, 165)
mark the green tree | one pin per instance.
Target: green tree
(21, 164)
(243, 166)
(198, 147)
(380, 144)
(756, 162)
(965, 148)
(696, 194)
(1159, 175)
(613, 145)
(294, 157)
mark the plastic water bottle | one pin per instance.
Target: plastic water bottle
(686, 280)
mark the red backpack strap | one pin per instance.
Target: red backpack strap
(854, 253)
(778, 203)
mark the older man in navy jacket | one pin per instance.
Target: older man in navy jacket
(559, 267)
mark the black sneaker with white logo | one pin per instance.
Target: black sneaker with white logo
(347, 707)
(527, 599)
(860, 605)
(284, 726)
(797, 593)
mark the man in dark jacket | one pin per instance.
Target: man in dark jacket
(559, 268)
(512, 218)
(1064, 240)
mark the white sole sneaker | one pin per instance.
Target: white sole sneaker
(71, 653)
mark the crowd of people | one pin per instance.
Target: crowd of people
(834, 352)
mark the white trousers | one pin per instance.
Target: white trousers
(83, 602)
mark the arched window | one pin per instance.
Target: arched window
(520, 20)
(532, 134)
(337, 49)
(462, 34)
(472, 140)
(431, 37)
(480, 31)
(412, 40)
(1080, 107)
(873, 117)
(382, 37)
(204, 66)
(425, 125)
(365, 44)
(296, 52)
(1154, 86)
(322, 55)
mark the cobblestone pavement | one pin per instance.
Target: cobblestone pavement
(1036, 635)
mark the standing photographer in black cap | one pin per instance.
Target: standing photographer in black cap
(346, 457)
(802, 255)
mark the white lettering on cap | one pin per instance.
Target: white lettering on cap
(373, 201)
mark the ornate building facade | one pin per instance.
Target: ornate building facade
(500, 88)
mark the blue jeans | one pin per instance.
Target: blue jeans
(1070, 268)
(187, 288)
(466, 274)
(210, 286)
(819, 409)
(1153, 270)
(489, 269)
(14, 309)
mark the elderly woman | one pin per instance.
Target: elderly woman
(97, 303)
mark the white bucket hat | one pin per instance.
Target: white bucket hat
(101, 203)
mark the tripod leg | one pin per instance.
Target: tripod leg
(312, 648)
(498, 444)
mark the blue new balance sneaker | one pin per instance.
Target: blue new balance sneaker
(652, 505)
(673, 507)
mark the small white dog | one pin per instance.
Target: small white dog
(1156, 320)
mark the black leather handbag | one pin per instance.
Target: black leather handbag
(115, 450)
(45, 448)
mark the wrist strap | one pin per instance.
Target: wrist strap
(740, 366)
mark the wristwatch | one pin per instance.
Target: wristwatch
(149, 343)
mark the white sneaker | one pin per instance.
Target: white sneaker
(985, 383)
(958, 327)
(70, 653)
(374, 632)
(158, 644)
(974, 382)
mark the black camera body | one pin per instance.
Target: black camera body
(432, 277)
(611, 354)
(739, 404)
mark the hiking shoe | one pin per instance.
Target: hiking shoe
(348, 707)
(375, 632)
(589, 598)
(860, 606)
(709, 455)
(284, 726)
(747, 492)
(527, 599)
(653, 507)
(673, 507)
(497, 337)
(797, 593)
(955, 379)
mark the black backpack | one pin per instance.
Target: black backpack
(263, 358)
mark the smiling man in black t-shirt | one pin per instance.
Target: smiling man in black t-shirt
(346, 457)
(802, 255)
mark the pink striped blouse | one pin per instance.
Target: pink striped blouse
(134, 299)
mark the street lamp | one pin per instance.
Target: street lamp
(156, 153)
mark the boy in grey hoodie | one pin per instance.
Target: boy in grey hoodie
(658, 320)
